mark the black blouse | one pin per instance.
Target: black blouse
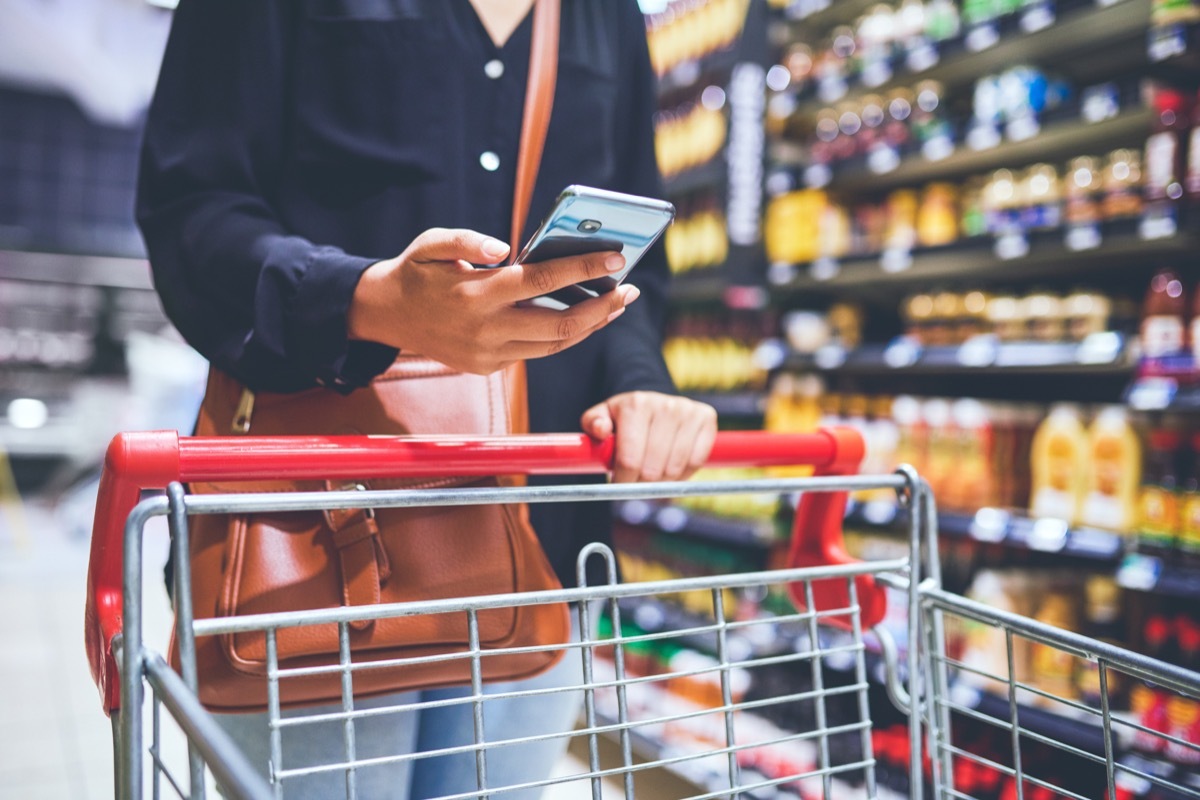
(293, 143)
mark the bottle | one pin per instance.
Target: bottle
(1189, 507)
(1102, 615)
(1114, 468)
(1058, 465)
(1122, 185)
(1191, 181)
(1163, 163)
(1053, 667)
(1083, 190)
(1158, 520)
(1163, 331)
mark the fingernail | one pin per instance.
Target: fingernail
(494, 248)
(616, 314)
(614, 263)
(633, 293)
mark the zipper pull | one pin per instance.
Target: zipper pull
(244, 413)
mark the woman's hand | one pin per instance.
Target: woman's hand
(430, 300)
(660, 437)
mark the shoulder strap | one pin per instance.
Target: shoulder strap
(539, 102)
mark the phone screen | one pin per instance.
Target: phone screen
(586, 220)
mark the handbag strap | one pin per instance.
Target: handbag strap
(539, 103)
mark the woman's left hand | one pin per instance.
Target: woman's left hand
(660, 437)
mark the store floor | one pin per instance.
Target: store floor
(55, 744)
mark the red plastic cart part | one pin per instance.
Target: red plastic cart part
(141, 461)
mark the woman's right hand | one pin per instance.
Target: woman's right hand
(430, 300)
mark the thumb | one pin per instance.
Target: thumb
(457, 244)
(597, 421)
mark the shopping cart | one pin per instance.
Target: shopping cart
(759, 683)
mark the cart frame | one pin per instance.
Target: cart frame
(139, 461)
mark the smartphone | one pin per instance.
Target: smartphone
(586, 220)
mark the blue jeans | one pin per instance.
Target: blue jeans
(425, 730)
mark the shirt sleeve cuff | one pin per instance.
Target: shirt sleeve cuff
(322, 303)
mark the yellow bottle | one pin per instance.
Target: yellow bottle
(1114, 469)
(1058, 463)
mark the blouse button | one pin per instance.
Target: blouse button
(489, 161)
(494, 68)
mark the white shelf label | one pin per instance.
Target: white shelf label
(901, 353)
(1099, 348)
(1158, 227)
(1037, 18)
(1152, 394)
(1139, 572)
(824, 269)
(1012, 246)
(983, 137)
(939, 148)
(781, 273)
(883, 159)
(818, 176)
(1083, 237)
(922, 57)
(1022, 128)
(978, 351)
(831, 356)
(982, 37)
(896, 259)
(1167, 43)
(1048, 536)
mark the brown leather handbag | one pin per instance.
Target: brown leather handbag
(312, 560)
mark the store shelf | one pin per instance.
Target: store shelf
(744, 404)
(1054, 142)
(1009, 528)
(1090, 31)
(816, 15)
(1101, 355)
(1019, 258)
(702, 286)
(119, 273)
(686, 75)
(1075, 729)
(666, 518)
(711, 175)
(1168, 576)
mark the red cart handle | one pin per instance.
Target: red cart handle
(138, 461)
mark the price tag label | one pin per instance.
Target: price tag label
(1100, 348)
(1139, 572)
(902, 353)
(830, 90)
(1022, 128)
(989, 525)
(876, 73)
(983, 137)
(883, 159)
(780, 273)
(1167, 43)
(636, 512)
(1012, 246)
(1048, 536)
(896, 259)
(1083, 237)
(1152, 394)
(1100, 103)
(831, 356)
(879, 512)
(1037, 18)
(818, 176)
(671, 519)
(938, 148)
(770, 354)
(978, 351)
(1158, 227)
(825, 269)
(982, 37)
(922, 57)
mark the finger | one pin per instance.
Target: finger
(597, 421)
(693, 422)
(547, 325)
(703, 445)
(632, 421)
(663, 433)
(524, 351)
(526, 281)
(457, 244)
